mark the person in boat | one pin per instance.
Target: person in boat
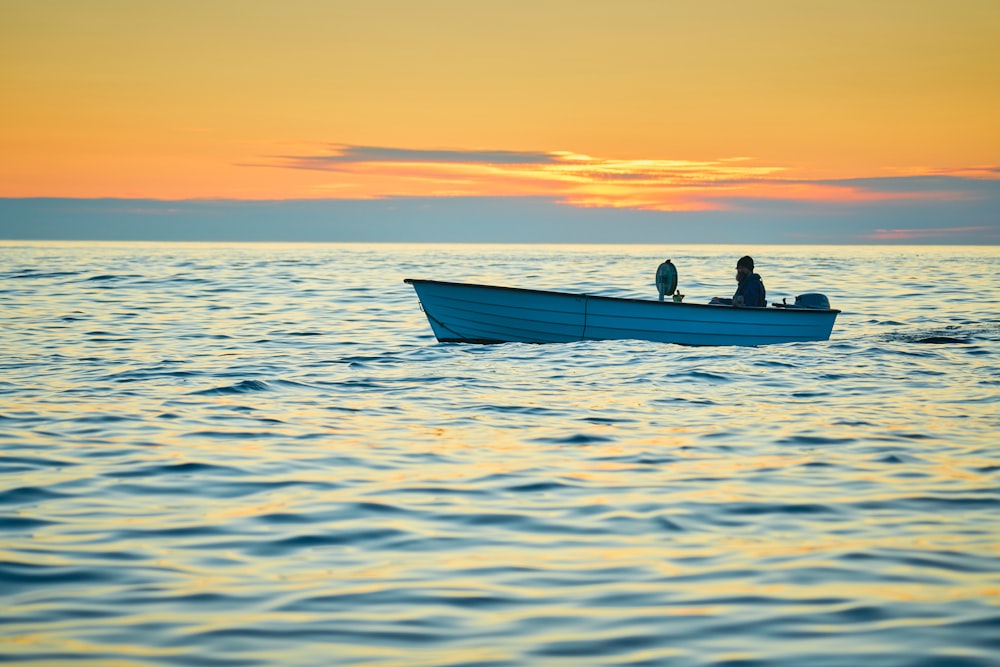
(750, 289)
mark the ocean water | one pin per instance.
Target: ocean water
(229, 455)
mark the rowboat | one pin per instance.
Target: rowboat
(471, 313)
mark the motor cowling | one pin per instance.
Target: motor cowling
(666, 278)
(812, 300)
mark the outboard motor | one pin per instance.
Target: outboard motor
(812, 300)
(666, 278)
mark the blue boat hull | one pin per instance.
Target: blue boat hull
(470, 313)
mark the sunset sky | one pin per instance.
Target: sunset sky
(839, 110)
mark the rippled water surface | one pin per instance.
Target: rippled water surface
(259, 455)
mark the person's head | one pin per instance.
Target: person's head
(744, 267)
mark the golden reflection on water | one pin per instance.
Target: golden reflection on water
(561, 481)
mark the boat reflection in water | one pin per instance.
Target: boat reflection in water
(470, 313)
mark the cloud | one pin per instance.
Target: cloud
(584, 181)
(941, 233)
(496, 220)
(347, 154)
(953, 183)
(366, 172)
(982, 171)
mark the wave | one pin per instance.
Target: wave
(241, 387)
(947, 335)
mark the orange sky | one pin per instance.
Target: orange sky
(638, 103)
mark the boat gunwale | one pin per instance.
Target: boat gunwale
(529, 290)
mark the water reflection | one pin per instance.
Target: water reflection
(258, 454)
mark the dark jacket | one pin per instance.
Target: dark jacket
(752, 290)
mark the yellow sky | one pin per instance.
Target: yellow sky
(202, 98)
